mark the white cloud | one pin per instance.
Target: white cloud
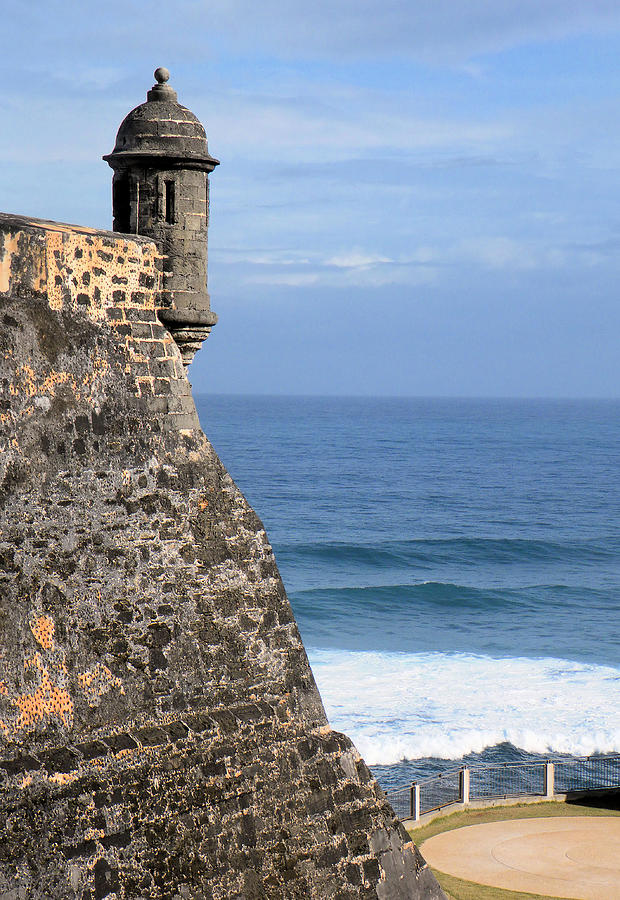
(441, 30)
(288, 279)
(334, 277)
(356, 260)
(195, 31)
(263, 257)
(498, 252)
(358, 123)
(424, 265)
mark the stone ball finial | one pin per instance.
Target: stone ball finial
(161, 90)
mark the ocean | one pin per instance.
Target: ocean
(453, 566)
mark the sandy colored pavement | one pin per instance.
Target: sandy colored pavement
(562, 857)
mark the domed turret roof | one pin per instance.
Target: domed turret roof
(162, 128)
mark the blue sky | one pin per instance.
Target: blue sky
(418, 198)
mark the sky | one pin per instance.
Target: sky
(415, 198)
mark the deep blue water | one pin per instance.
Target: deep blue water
(453, 565)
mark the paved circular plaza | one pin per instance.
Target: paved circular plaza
(577, 857)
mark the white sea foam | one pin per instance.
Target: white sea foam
(405, 706)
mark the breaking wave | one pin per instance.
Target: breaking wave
(399, 706)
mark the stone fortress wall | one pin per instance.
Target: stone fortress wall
(161, 734)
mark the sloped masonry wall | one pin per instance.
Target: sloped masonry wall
(161, 734)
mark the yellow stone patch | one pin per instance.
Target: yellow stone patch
(10, 248)
(51, 700)
(98, 681)
(71, 262)
(48, 701)
(43, 630)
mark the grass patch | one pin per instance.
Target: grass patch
(458, 889)
(467, 890)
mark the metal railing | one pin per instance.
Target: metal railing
(508, 780)
(541, 778)
(592, 773)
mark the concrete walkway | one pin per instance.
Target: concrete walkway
(576, 857)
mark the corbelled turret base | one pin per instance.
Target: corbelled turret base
(161, 734)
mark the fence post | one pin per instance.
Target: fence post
(549, 779)
(464, 785)
(414, 801)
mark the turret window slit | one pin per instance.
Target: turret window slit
(169, 202)
(121, 204)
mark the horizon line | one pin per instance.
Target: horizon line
(345, 396)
